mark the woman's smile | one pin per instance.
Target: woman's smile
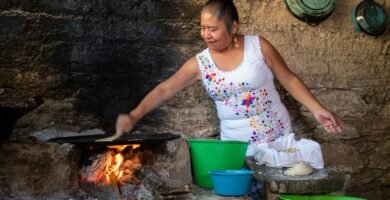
(214, 32)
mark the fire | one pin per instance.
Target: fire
(118, 165)
(114, 168)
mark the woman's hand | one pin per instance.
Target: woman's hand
(329, 121)
(124, 123)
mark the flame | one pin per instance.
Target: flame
(118, 165)
(114, 163)
(115, 169)
(120, 148)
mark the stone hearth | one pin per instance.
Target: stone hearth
(34, 169)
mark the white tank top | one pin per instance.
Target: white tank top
(247, 102)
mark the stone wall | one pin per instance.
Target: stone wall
(92, 60)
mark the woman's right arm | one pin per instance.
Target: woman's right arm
(295, 86)
(186, 76)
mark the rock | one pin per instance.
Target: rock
(342, 156)
(173, 162)
(348, 102)
(366, 177)
(39, 170)
(48, 116)
(381, 158)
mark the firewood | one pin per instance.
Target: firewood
(115, 185)
(96, 171)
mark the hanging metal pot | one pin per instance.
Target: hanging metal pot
(369, 17)
(312, 12)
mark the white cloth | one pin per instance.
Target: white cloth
(286, 152)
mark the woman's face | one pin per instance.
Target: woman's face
(214, 32)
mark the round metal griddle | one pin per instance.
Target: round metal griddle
(132, 138)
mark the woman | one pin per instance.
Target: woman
(238, 73)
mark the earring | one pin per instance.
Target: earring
(235, 41)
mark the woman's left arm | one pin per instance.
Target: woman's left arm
(295, 86)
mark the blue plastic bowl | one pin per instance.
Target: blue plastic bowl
(231, 182)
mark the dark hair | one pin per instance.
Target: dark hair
(222, 9)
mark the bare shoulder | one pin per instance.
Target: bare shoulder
(271, 56)
(191, 66)
(192, 61)
(266, 46)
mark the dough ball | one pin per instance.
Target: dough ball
(299, 169)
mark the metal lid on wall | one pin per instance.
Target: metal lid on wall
(317, 8)
(311, 11)
(369, 17)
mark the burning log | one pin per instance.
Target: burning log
(95, 172)
(117, 166)
(112, 163)
(130, 171)
(115, 185)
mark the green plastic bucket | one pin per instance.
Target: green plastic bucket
(317, 197)
(208, 154)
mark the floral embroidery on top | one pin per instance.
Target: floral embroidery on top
(250, 103)
(215, 82)
(253, 104)
(267, 127)
(248, 100)
(211, 77)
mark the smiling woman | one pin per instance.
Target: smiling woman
(219, 39)
(238, 73)
(219, 25)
